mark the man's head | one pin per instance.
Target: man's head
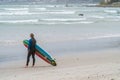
(32, 35)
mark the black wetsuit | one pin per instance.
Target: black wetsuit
(31, 51)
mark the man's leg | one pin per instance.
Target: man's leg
(28, 58)
(33, 56)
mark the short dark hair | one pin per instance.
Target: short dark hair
(32, 35)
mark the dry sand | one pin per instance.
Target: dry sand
(99, 65)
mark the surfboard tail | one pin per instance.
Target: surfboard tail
(53, 63)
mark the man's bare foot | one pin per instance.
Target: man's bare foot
(32, 65)
(26, 66)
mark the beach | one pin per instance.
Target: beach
(84, 47)
(103, 65)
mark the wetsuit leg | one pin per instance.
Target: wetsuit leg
(28, 58)
(33, 56)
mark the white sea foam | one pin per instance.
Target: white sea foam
(15, 13)
(16, 9)
(58, 12)
(111, 11)
(39, 9)
(87, 22)
(96, 16)
(105, 36)
(81, 22)
(63, 19)
(20, 21)
(35, 13)
(48, 21)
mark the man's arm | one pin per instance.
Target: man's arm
(29, 44)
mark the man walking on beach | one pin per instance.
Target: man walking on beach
(31, 50)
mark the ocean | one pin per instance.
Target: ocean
(58, 29)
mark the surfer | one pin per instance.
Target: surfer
(81, 14)
(31, 49)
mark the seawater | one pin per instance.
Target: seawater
(58, 29)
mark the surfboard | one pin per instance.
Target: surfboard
(41, 53)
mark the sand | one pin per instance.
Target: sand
(97, 65)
